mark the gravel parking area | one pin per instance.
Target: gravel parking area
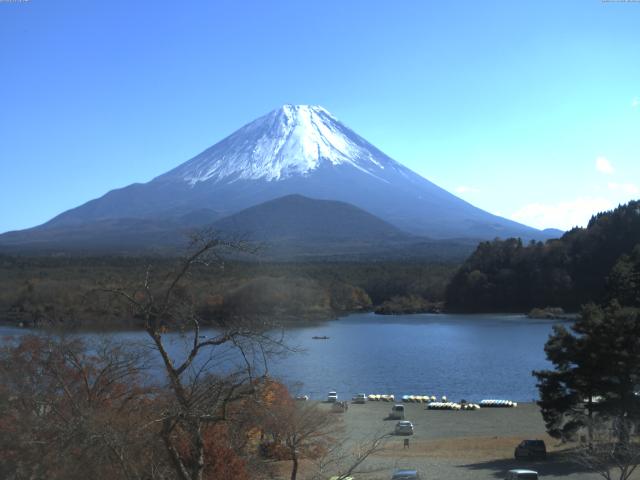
(457, 445)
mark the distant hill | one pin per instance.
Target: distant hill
(595, 263)
(298, 227)
(298, 219)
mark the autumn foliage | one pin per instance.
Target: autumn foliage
(68, 411)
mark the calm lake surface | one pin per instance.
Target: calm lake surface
(461, 356)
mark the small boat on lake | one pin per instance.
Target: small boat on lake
(323, 337)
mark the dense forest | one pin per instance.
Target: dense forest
(596, 263)
(66, 290)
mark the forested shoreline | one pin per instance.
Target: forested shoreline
(66, 291)
(592, 264)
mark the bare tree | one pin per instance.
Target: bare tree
(199, 398)
(347, 457)
(297, 430)
(612, 455)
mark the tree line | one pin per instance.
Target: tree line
(60, 290)
(596, 263)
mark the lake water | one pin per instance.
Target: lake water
(461, 356)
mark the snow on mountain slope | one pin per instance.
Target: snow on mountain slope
(289, 141)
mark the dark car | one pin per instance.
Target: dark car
(531, 449)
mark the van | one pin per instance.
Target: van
(397, 412)
(520, 474)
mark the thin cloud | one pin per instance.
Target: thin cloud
(635, 103)
(625, 188)
(563, 215)
(603, 165)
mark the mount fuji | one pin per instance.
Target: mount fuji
(293, 150)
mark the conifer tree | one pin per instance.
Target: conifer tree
(596, 373)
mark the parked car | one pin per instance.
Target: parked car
(332, 397)
(405, 475)
(359, 398)
(521, 474)
(397, 412)
(404, 427)
(531, 449)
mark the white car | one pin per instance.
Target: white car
(359, 398)
(521, 474)
(332, 397)
(404, 427)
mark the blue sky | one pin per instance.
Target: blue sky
(530, 110)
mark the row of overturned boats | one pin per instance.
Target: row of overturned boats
(433, 403)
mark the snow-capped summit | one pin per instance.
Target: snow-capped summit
(291, 140)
